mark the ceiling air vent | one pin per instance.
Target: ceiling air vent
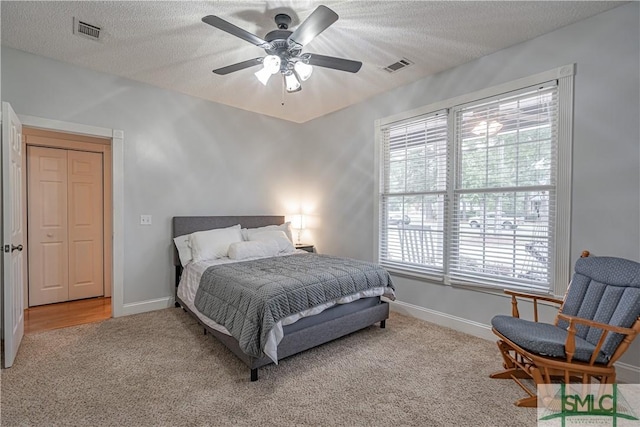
(83, 29)
(396, 66)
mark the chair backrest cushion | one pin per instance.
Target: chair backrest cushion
(606, 290)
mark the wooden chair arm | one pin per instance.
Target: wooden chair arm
(534, 297)
(594, 324)
(570, 343)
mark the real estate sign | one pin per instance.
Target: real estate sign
(616, 405)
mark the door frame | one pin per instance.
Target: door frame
(32, 137)
(117, 187)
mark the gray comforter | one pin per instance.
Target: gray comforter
(249, 298)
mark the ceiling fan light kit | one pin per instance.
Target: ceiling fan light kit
(484, 128)
(284, 49)
(292, 83)
(270, 66)
(303, 70)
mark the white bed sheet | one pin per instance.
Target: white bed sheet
(190, 280)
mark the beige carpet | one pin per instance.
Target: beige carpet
(158, 369)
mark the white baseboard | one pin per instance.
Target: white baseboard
(443, 319)
(626, 373)
(149, 305)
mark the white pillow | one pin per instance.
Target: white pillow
(284, 244)
(286, 227)
(213, 244)
(257, 248)
(184, 250)
(183, 245)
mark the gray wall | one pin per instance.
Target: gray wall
(182, 155)
(185, 156)
(339, 151)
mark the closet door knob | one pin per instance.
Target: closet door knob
(16, 248)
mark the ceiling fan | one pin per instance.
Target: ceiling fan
(284, 49)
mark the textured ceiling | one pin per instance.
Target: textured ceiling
(167, 45)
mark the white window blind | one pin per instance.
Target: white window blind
(504, 203)
(475, 191)
(414, 185)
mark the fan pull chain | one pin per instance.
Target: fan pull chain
(283, 92)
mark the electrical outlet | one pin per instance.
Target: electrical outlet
(145, 219)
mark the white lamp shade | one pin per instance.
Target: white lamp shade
(304, 70)
(263, 75)
(292, 82)
(270, 66)
(298, 222)
(484, 128)
(271, 63)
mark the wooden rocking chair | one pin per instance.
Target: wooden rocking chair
(597, 320)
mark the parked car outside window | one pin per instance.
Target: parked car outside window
(496, 220)
(396, 218)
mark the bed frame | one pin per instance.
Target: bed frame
(306, 333)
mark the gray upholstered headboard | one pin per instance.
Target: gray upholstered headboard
(190, 224)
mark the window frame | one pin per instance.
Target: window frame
(560, 252)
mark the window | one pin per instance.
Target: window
(415, 174)
(471, 194)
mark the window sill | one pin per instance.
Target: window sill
(496, 290)
(410, 274)
(499, 292)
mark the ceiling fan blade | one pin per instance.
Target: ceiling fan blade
(239, 66)
(317, 22)
(228, 27)
(335, 63)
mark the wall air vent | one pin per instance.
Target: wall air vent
(396, 66)
(83, 29)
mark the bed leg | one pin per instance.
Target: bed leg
(176, 304)
(205, 330)
(254, 374)
(383, 324)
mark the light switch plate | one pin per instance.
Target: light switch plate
(145, 219)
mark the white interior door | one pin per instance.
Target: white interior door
(12, 234)
(48, 241)
(85, 214)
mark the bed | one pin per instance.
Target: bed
(308, 328)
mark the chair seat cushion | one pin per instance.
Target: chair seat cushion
(542, 338)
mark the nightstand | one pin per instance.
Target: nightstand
(305, 247)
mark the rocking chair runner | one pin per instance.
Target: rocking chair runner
(596, 322)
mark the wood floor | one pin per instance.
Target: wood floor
(64, 314)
